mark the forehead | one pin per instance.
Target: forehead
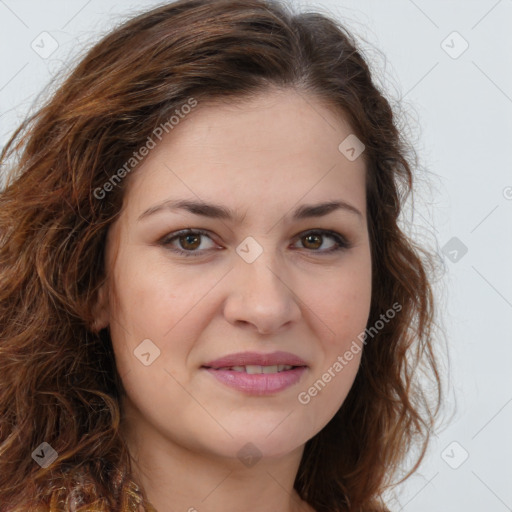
(272, 149)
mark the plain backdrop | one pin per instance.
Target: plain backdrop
(446, 65)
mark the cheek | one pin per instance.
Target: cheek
(152, 301)
(147, 299)
(344, 303)
(141, 308)
(343, 306)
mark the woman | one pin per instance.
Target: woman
(167, 343)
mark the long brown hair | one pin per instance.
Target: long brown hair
(58, 381)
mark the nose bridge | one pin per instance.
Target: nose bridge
(260, 294)
(261, 273)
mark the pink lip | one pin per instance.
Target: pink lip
(259, 383)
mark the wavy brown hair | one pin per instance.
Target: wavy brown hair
(58, 380)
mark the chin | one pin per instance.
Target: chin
(255, 443)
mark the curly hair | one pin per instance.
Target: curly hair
(58, 379)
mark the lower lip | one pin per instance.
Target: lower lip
(258, 383)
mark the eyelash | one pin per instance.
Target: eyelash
(341, 242)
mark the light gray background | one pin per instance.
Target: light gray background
(459, 113)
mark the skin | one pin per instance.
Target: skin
(262, 158)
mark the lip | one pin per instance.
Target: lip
(259, 383)
(257, 358)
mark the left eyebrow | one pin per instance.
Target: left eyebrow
(216, 211)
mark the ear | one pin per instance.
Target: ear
(101, 309)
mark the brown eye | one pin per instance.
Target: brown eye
(190, 242)
(313, 241)
(187, 242)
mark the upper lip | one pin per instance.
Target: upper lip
(257, 359)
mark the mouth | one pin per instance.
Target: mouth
(254, 369)
(258, 374)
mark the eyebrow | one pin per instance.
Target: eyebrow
(216, 211)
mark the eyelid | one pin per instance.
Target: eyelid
(341, 242)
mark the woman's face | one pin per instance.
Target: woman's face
(260, 289)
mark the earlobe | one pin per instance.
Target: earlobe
(100, 310)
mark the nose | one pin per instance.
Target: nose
(261, 296)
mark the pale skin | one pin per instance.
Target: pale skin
(262, 159)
